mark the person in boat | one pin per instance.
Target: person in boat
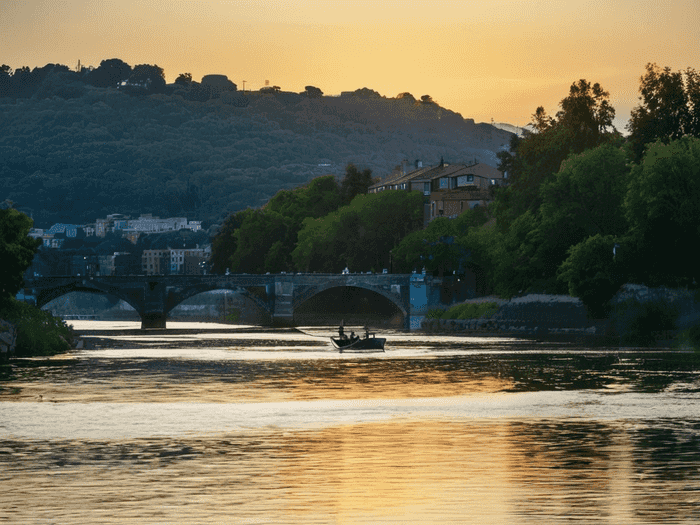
(353, 337)
(341, 332)
(366, 332)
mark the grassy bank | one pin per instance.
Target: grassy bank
(465, 311)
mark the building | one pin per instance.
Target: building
(448, 189)
(105, 264)
(112, 223)
(133, 228)
(155, 262)
(175, 261)
(458, 188)
(150, 224)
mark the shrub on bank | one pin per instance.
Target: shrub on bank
(470, 311)
(38, 332)
(639, 323)
(689, 339)
(435, 313)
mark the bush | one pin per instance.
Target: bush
(689, 338)
(435, 313)
(590, 273)
(471, 311)
(38, 332)
(638, 323)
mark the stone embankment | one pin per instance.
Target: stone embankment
(529, 316)
(8, 339)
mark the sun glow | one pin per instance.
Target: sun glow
(498, 59)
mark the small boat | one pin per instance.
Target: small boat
(355, 343)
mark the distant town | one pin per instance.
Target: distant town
(70, 249)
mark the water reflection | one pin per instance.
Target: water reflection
(417, 471)
(257, 426)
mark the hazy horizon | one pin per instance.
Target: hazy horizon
(496, 59)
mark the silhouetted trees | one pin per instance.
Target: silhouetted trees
(110, 73)
(355, 182)
(184, 78)
(149, 76)
(669, 107)
(312, 92)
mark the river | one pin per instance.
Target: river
(209, 423)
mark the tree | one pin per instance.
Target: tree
(406, 96)
(152, 77)
(5, 80)
(262, 240)
(431, 248)
(427, 99)
(17, 250)
(257, 235)
(110, 73)
(224, 243)
(590, 273)
(587, 113)
(662, 207)
(312, 92)
(584, 121)
(355, 182)
(541, 121)
(584, 199)
(184, 79)
(360, 235)
(669, 107)
(319, 197)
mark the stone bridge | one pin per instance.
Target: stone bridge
(154, 296)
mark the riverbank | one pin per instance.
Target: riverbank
(639, 317)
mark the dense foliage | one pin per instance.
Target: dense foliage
(662, 207)
(359, 236)
(669, 107)
(17, 250)
(78, 145)
(38, 332)
(584, 211)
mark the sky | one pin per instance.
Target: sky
(486, 59)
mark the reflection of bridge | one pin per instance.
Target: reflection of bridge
(153, 297)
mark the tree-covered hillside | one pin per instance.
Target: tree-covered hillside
(74, 146)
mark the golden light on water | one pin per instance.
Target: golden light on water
(139, 433)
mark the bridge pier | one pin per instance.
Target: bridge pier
(153, 320)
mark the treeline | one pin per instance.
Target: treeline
(321, 227)
(78, 145)
(587, 209)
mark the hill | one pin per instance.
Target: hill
(71, 151)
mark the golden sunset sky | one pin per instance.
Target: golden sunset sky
(490, 59)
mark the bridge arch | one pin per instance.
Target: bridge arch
(310, 293)
(46, 295)
(262, 308)
(354, 303)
